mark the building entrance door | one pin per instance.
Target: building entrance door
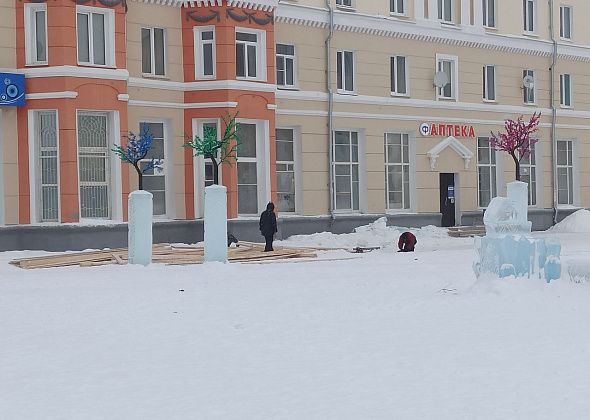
(447, 199)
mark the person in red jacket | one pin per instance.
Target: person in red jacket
(407, 242)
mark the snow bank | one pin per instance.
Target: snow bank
(376, 234)
(578, 222)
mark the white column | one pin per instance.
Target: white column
(140, 227)
(478, 14)
(216, 223)
(419, 12)
(432, 10)
(466, 12)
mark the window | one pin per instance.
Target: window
(565, 172)
(286, 65)
(346, 170)
(153, 55)
(345, 71)
(47, 184)
(528, 174)
(344, 3)
(247, 169)
(285, 169)
(397, 7)
(448, 65)
(489, 13)
(565, 89)
(486, 172)
(154, 180)
(397, 171)
(93, 165)
(399, 76)
(205, 52)
(529, 11)
(95, 36)
(489, 83)
(445, 10)
(529, 92)
(250, 54)
(36, 33)
(566, 20)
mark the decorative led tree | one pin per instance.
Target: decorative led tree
(517, 141)
(217, 149)
(137, 149)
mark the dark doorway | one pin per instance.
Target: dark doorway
(447, 199)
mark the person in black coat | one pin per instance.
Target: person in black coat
(268, 225)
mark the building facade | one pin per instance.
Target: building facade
(345, 107)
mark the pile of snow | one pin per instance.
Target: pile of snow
(376, 234)
(578, 222)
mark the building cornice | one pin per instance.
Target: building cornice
(426, 31)
(264, 5)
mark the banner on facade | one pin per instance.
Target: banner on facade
(12, 89)
(446, 130)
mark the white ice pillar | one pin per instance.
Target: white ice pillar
(216, 223)
(140, 227)
(518, 193)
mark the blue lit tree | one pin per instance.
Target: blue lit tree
(137, 149)
(217, 149)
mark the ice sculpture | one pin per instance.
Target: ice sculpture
(140, 208)
(508, 248)
(216, 223)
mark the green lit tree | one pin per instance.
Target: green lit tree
(218, 149)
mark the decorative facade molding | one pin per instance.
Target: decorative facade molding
(250, 17)
(179, 105)
(52, 95)
(454, 144)
(203, 18)
(263, 5)
(107, 3)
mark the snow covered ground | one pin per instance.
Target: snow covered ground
(384, 336)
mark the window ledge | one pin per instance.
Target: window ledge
(449, 25)
(345, 8)
(530, 34)
(97, 66)
(491, 28)
(288, 88)
(566, 40)
(446, 99)
(400, 212)
(530, 104)
(247, 79)
(39, 64)
(490, 101)
(400, 95)
(398, 15)
(154, 76)
(346, 93)
(566, 107)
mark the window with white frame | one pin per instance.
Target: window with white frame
(153, 51)
(345, 3)
(205, 67)
(399, 75)
(96, 36)
(47, 182)
(286, 67)
(445, 10)
(565, 172)
(250, 54)
(285, 161)
(449, 66)
(529, 91)
(397, 7)
(529, 13)
(346, 171)
(345, 71)
(489, 83)
(154, 179)
(489, 13)
(36, 33)
(528, 174)
(93, 165)
(565, 89)
(397, 171)
(210, 129)
(486, 172)
(247, 169)
(566, 18)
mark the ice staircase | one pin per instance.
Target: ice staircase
(467, 231)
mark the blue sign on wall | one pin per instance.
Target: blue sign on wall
(12, 89)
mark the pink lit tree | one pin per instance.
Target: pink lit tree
(516, 140)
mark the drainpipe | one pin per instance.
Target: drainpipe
(330, 108)
(553, 111)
